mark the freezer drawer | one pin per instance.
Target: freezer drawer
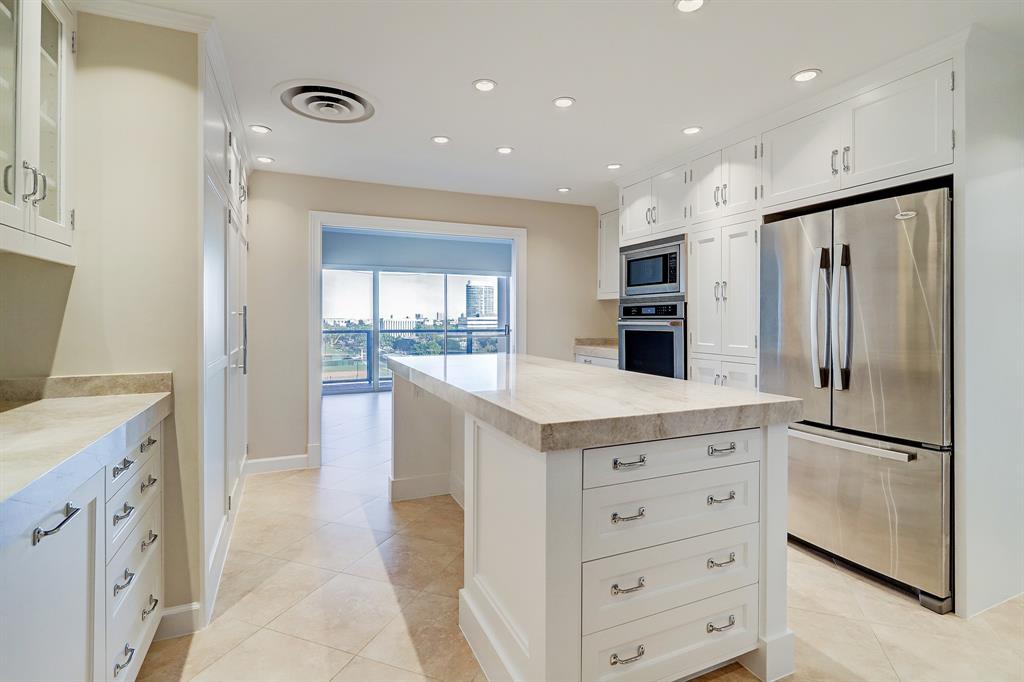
(887, 510)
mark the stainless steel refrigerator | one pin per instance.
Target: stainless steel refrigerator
(855, 319)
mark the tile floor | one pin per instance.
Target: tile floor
(327, 580)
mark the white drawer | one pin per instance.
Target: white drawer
(131, 502)
(120, 472)
(630, 516)
(142, 548)
(674, 643)
(131, 631)
(638, 461)
(630, 586)
(599, 362)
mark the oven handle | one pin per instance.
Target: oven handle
(650, 323)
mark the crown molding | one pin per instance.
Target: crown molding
(145, 14)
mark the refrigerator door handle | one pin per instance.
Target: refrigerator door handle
(841, 345)
(819, 374)
(897, 455)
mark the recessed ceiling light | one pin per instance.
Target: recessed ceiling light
(563, 190)
(484, 84)
(806, 75)
(614, 166)
(689, 5)
(564, 102)
(692, 130)
(441, 139)
(259, 129)
(265, 159)
(504, 150)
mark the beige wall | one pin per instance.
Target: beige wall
(132, 302)
(561, 281)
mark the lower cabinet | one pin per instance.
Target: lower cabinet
(720, 372)
(595, 360)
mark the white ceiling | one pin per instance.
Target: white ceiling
(639, 70)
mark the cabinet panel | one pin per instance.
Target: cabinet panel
(739, 289)
(635, 211)
(11, 206)
(670, 197)
(739, 177)
(705, 370)
(801, 159)
(215, 128)
(900, 128)
(608, 256)
(739, 375)
(707, 186)
(704, 281)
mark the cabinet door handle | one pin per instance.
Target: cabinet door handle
(129, 653)
(35, 180)
(654, 215)
(153, 603)
(717, 189)
(147, 444)
(718, 564)
(715, 628)
(717, 378)
(129, 577)
(720, 500)
(640, 584)
(148, 483)
(46, 190)
(714, 450)
(835, 155)
(718, 285)
(69, 513)
(615, 660)
(7, 179)
(638, 462)
(126, 511)
(146, 542)
(640, 513)
(724, 186)
(846, 159)
(124, 466)
(724, 283)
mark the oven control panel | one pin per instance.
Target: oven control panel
(651, 310)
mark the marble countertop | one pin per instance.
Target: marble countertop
(556, 405)
(597, 347)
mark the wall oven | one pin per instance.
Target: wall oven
(653, 269)
(652, 337)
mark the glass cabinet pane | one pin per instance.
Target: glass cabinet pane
(8, 96)
(50, 58)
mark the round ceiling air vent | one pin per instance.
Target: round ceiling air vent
(325, 101)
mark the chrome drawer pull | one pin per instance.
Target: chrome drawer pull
(69, 513)
(615, 660)
(148, 483)
(153, 602)
(128, 578)
(640, 584)
(124, 466)
(126, 511)
(714, 628)
(638, 462)
(146, 542)
(715, 500)
(147, 444)
(714, 450)
(130, 653)
(716, 564)
(640, 513)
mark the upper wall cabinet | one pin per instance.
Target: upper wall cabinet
(899, 128)
(608, 256)
(725, 181)
(36, 68)
(654, 206)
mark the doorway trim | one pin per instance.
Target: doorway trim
(318, 220)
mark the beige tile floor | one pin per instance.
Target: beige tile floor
(328, 580)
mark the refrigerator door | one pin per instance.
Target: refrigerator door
(795, 285)
(883, 506)
(890, 313)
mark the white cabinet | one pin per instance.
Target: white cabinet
(705, 370)
(707, 187)
(722, 290)
(595, 360)
(36, 68)
(670, 199)
(801, 158)
(714, 370)
(608, 255)
(53, 599)
(635, 211)
(740, 176)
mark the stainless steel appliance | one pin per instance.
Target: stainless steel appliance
(652, 336)
(855, 320)
(654, 269)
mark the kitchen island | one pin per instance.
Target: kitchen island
(617, 525)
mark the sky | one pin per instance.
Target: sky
(348, 294)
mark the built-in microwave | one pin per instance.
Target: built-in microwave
(654, 269)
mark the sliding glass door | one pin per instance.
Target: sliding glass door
(348, 313)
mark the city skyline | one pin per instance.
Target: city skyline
(348, 295)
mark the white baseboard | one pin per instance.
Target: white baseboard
(457, 489)
(415, 487)
(265, 465)
(773, 658)
(176, 621)
(475, 632)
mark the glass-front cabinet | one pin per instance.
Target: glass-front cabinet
(36, 66)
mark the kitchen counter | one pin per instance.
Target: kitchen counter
(606, 348)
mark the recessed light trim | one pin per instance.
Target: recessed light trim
(484, 84)
(614, 166)
(505, 150)
(260, 129)
(564, 190)
(440, 139)
(804, 75)
(564, 102)
(689, 5)
(265, 159)
(692, 130)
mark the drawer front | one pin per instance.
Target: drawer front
(131, 502)
(594, 360)
(675, 643)
(141, 549)
(631, 516)
(639, 461)
(121, 471)
(129, 634)
(630, 586)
